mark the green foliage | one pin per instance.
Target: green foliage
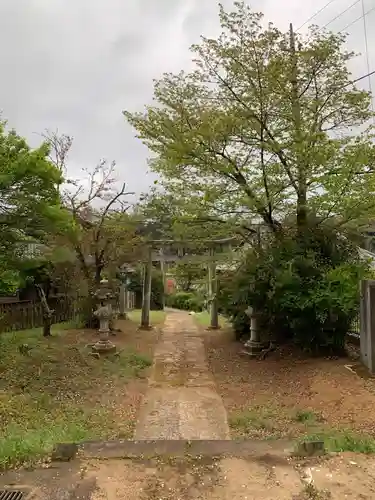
(28, 185)
(269, 130)
(188, 274)
(171, 218)
(9, 279)
(30, 204)
(187, 301)
(307, 291)
(232, 304)
(157, 287)
(262, 129)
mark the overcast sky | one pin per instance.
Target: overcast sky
(74, 66)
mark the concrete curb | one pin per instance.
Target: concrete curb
(174, 448)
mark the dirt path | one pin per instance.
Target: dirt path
(182, 401)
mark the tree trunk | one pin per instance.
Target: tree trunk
(47, 323)
(301, 212)
(90, 321)
(47, 312)
(212, 286)
(98, 273)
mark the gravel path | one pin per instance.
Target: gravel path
(181, 401)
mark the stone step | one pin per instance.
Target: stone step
(275, 450)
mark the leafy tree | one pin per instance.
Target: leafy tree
(179, 219)
(268, 127)
(30, 205)
(187, 274)
(269, 130)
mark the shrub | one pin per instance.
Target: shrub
(232, 304)
(306, 289)
(157, 289)
(187, 301)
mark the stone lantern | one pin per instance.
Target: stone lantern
(104, 314)
(254, 346)
(125, 277)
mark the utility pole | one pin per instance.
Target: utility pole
(146, 295)
(212, 292)
(162, 269)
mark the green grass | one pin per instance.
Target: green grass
(57, 393)
(343, 440)
(255, 422)
(27, 441)
(263, 422)
(306, 416)
(156, 317)
(203, 319)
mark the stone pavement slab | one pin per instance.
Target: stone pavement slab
(182, 401)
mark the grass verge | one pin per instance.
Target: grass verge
(156, 317)
(203, 318)
(343, 440)
(55, 392)
(264, 422)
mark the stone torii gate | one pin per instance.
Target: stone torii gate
(165, 251)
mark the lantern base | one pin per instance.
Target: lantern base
(253, 348)
(104, 347)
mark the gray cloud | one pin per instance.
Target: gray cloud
(76, 68)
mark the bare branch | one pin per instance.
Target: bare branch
(60, 146)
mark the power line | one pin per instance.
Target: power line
(361, 78)
(356, 20)
(316, 13)
(366, 50)
(363, 16)
(341, 13)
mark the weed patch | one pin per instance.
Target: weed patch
(255, 422)
(310, 492)
(306, 416)
(344, 440)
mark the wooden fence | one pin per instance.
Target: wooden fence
(24, 315)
